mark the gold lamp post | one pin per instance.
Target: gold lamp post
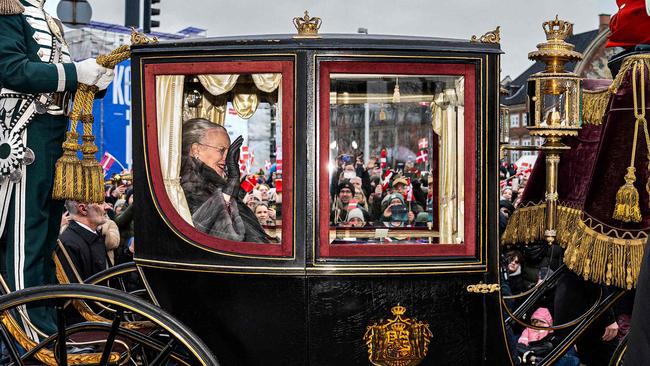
(554, 101)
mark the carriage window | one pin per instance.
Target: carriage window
(228, 194)
(396, 159)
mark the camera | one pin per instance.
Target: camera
(399, 213)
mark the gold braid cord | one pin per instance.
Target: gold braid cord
(46, 356)
(83, 180)
(593, 251)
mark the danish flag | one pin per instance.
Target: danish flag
(352, 204)
(423, 143)
(107, 161)
(244, 153)
(382, 159)
(278, 166)
(409, 191)
(422, 156)
(386, 181)
(249, 183)
(267, 164)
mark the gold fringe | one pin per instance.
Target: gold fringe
(604, 259)
(627, 200)
(11, 7)
(526, 225)
(599, 255)
(594, 105)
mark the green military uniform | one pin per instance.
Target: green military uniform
(35, 66)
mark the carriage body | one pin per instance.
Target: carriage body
(312, 297)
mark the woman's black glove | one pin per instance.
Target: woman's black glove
(232, 168)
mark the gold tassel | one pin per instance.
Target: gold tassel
(93, 173)
(627, 200)
(67, 171)
(11, 7)
(594, 105)
(608, 276)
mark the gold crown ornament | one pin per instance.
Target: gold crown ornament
(307, 26)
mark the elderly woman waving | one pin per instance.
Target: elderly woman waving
(210, 179)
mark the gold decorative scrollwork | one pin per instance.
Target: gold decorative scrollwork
(141, 38)
(307, 26)
(399, 341)
(489, 37)
(483, 288)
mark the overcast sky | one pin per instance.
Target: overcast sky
(520, 20)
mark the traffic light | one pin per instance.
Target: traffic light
(132, 13)
(148, 11)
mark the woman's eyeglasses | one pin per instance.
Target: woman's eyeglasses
(220, 150)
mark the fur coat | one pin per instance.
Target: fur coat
(210, 213)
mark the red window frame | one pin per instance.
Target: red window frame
(468, 248)
(285, 248)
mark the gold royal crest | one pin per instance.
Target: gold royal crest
(399, 341)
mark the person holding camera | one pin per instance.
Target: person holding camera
(395, 213)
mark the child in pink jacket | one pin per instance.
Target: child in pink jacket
(540, 318)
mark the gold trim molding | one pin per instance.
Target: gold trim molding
(483, 288)
(489, 37)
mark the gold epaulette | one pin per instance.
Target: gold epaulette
(11, 7)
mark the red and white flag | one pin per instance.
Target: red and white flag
(352, 204)
(244, 153)
(422, 156)
(423, 143)
(278, 166)
(267, 165)
(107, 161)
(249, 183)
(382, 159)
(408, 197)
(386, 181)
(252, 157)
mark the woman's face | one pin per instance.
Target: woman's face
(264, 192)
(212, 149)
(262, 214)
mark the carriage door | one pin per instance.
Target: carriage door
(404, 150)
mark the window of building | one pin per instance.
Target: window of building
(514, 120)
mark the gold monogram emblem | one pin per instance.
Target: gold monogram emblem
(399, 341)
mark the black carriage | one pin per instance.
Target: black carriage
(319, 294)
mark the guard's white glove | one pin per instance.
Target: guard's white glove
(89, 71)
(105, 80)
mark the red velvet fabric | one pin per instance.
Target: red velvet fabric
(591, 172)
(630, 26)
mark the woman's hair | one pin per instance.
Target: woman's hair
(193, 131)
(260, 204)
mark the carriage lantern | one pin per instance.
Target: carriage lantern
(554, 106)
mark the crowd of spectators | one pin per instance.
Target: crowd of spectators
(374, 195)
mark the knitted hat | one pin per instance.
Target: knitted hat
(544, 315)
(345, 184)
(355, 213)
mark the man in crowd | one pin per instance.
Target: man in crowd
(83, 240)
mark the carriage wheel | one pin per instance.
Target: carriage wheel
(156, 338)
